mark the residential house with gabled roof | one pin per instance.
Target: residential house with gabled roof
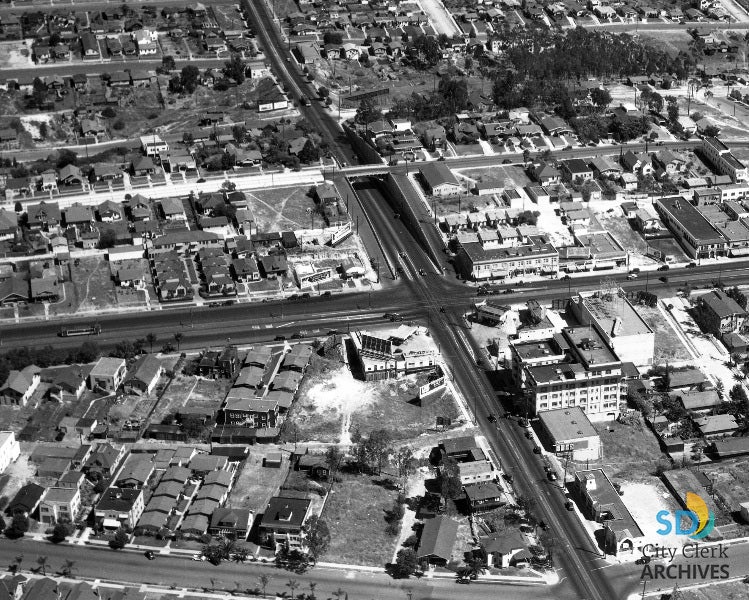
(144, 375)
(721, 314)
(13, 290)
(20, 386)
(110, 212)
(546, 173)
(8, 224)
(104, 459)
(136, 471)
(437, 540)
(26, 501)
(173, 209)
(65, 383)
(70, 175)
(79, 216)
(231, 522)
(143, 166)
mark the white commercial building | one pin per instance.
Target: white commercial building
(569, 433)
(618, 323)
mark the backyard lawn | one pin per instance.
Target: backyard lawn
(355, 514)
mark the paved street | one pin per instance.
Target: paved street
(130, 566)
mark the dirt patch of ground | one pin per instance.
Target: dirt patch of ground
(280, 209)
(629, 451)
(667, 343)
(332, 403)
(19, 472)
(256, 484)
(355, 513)
(94, 288)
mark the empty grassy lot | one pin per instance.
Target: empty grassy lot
(499, 173)
(332, 403)
(629, 451)
(282, 208)
(255, 483)
(667, 343)
(94, 288)
(355, 514)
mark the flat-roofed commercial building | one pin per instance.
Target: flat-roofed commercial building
(723, 159)
(618, 323)
(698, 237)
(568, 432)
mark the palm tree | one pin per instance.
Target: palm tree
(227, 546)
(151, 339)
(43, 564)
(67, 568)
(264, 581)
(292, 584)
(178, 337)
(312, 586)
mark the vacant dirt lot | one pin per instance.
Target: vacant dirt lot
(332, 403)
(282, 208)
(355, 513)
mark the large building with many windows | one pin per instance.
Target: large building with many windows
(723, 159)
(535, 256)
(590, 377)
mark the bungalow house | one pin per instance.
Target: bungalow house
(314, 465)
(20, 386)
(143, 166)
(8, 224)
(439, 180)
(104, 459)
(436, 541)
(26, 501)
(173, 210)
(435, 137)
(140, 208)
(546, 174)
(144, 375)
(234, 523)
(70, 175)
(106, 172)
(483, 496)
(64, 383)
(136, 471)
(504, 549)
(79, 216)
(603, 167)
(110, 212)
(89, 46)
